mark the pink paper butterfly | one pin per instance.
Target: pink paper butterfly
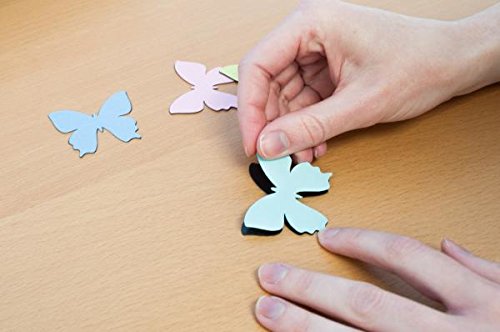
(204, 90)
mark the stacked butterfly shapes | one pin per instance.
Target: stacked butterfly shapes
(204, 88)
(284, 187)
(283, 184)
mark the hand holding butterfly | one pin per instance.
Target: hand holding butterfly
(332, 67)
(467, 286)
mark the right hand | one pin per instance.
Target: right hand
(331, 67)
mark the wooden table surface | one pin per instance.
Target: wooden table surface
(146, 235)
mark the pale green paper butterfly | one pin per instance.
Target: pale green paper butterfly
(230, 71)
(269, 212)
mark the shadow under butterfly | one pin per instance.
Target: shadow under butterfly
(284, 185)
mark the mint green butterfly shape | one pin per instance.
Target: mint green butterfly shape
(269, 212)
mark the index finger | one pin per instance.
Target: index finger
(256, 72)
(426, 269)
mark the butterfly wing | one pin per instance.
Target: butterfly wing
(266, 214)
(190, 102)
(230, 71)
(124, 128)
(191, 72)
(277, 170)
(112, 117)
(304, 219)
(68, 121)
(218, 100)
(214, 77)
(117, 105)
(307, 178)
(84, 140)
(84, 128)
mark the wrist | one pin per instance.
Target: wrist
(478, 58)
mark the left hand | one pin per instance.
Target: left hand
(468, 286)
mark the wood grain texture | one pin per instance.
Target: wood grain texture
(146, 236)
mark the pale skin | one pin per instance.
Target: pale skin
(468, 287)
(332, 67)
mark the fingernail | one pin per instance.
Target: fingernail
(316, 153)
(327, 234)
(246, 151)
(272, 273)
(270, 307)
(273, 144)
(450, 243)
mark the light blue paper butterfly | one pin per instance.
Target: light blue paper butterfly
(84, 127)
(269, 212)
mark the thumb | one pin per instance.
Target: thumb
(313, 125)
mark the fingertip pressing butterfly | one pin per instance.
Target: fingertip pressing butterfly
(84, 127)
(204, 89)
(269, 213)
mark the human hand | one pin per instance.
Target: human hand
(332, 67)
(468, 286)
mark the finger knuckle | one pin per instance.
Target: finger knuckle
(312, 5)
(403, 247)
(248, 64)
(275, 87)
(366, 301)
(307, 5)
(386, 91)
(244, 63)
(302, 323)
(448, 323)
(305, 282)
(313, 128)
(351, 238)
